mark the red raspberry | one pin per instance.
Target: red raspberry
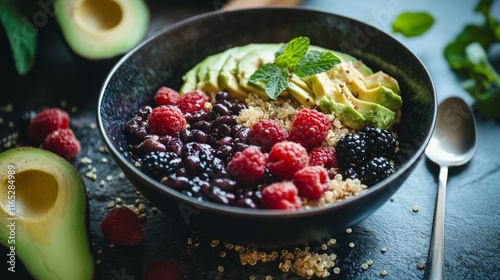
(193, 101)
(122, 227)
(62, 142)
(286, 158)
(281, 195)
(266, 133)
(309, 128)
(162, 269)
(46, 121)
(324, 156)
(166, 120)
(248, 166)
(311, 181)
(167, 96)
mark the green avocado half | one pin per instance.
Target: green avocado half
(98, 29)
(43, 203)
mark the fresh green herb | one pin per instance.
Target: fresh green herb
(292, 58)
(484, 82)
(22, 38)
(412, 24)
(467, 56)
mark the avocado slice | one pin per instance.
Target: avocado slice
(98, 29)
(190, 80)
(330, 98)
(379, 88)
(43, 200)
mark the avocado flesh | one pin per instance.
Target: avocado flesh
(356, 113)
(351, 90)
(98, 29)
(50, 203)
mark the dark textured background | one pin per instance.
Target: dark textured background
(472, 214)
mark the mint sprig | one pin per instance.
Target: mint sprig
(292, 58)
(22, 38)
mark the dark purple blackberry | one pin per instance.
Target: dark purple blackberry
(351, 150)
(351, 173)
(380, 142)
(375, 170)
(159, 164)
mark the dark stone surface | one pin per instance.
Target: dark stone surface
(472, 217)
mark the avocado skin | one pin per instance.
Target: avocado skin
(55, 243)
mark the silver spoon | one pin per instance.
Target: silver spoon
(453, 143)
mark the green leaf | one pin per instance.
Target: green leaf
(275, 78)
(413, 23)
(277, 84)
(21, 34)
(315, 62)
(293, 53)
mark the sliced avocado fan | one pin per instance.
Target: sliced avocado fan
(42, 198)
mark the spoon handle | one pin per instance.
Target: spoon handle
(435, 260)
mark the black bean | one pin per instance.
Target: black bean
(221, 110)
(229, 120)
(151, 145)
(224, 152)
(224, 130)
(238, 147)
(175, 146)
(220, 96)
(144, 112)
(242, 135)
(226, 140)
(237, 107)
(185, 135)
(199, 136)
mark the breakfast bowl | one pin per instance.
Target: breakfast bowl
(164, 60)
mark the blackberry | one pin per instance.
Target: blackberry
(380, 142)
(158, 164)
(375, 170)
(351, 150)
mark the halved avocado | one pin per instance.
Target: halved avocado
(43, 202)
(98, 29)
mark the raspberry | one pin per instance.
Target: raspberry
(286, 158)
(162, 269)
(281, 195)
(309, 128)
(323, 156)
(193, 101)
(122, 226)
(311, 181)
(166, 120)
(248, 166)
(46, 121)
(167, 96)
(266, 133)
(62, 142)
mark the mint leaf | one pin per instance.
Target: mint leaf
(292, 58)
(293, 52)
(22, 37)
(275, 78)
(412, 24)
(277, 84)
(315, 62)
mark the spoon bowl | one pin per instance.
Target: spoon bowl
(453, 143)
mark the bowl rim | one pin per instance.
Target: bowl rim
(258, 213)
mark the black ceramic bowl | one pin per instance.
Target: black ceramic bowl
(163, 59)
